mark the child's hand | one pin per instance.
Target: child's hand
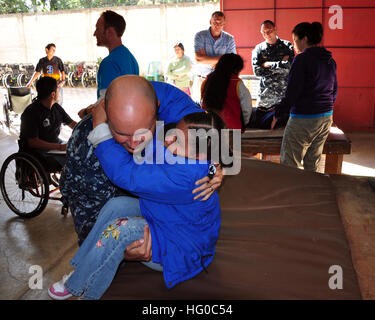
(208, 186)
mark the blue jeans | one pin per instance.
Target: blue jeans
(119, 223)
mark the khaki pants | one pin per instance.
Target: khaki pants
(304, 141)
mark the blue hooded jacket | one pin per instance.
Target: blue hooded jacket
(312, 85)
(184, 231)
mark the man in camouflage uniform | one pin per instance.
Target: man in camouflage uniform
(83, 183)
(271, 61)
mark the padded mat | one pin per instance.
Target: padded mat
(281, 232)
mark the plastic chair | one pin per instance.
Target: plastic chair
(153, 71)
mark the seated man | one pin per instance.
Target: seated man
(41, 124)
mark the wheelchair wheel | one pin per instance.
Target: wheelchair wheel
(6, 80)
(85, 80)
(24, 185)
(76, 80)
(22, 80)
(70, 75)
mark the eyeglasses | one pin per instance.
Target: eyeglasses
(218, 23)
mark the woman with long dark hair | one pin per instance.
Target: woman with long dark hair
(310, 95)
(224, 92)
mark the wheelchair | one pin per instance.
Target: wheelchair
(27, 182)
(16, 101)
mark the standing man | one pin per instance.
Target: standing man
(50, 66)
(209, 46)
(109, 29)
(271, 61)
(108, 32)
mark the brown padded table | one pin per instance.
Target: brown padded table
(281, 232)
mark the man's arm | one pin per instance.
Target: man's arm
(231, 46)
(141, 249)
(36, 143)
(200, 53)
(85, 111)
(257, 63)
(284, 63)
(66, 119)
(202, 57)
(35, 75)
(61, 84)
(72, 124)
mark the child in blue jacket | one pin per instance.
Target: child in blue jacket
(184, 231)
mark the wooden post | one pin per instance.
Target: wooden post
(333, 163)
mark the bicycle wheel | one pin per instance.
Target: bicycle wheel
(24, 185)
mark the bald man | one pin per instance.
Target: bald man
(131, 104)
(83, 181)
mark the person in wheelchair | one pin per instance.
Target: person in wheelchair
(41, 124)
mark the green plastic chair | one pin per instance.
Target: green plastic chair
(153, 71)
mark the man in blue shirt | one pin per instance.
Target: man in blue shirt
(209, 46)
(109, 29)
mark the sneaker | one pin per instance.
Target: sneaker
(58, 291)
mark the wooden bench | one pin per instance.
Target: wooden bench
(264, 143)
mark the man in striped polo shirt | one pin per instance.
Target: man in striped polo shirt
(209, 46)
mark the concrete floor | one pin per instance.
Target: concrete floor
(49, 240)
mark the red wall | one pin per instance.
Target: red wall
(353, 47)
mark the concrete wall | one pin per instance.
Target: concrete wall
(150, 33)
